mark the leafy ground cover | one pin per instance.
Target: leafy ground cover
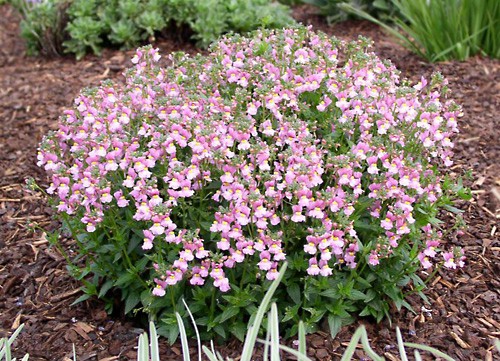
(462, 318)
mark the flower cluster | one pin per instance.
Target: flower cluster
(290, 140)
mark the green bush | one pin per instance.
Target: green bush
(90, 25)
(42, 24)
(440, 30)
(198, 180)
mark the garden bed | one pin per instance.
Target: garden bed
(35, 289)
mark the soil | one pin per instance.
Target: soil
(462, 319)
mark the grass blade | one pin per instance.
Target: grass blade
(265, 356)
(209, 353)
(155, 352)
(7, 343)
(417, 356)
(184, 341)
(275, 337)
(351, 347)
(366, 346)
(302, 338)
(432, 350)
(143, 349)
(291, 351)
(195, 329)
(254, 329)
(401, 346)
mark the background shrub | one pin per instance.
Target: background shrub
(42, 25)
(196, 181)
(79, 26)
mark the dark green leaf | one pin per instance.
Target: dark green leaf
(81, 299)
(132, 300)
(293, 291)
(228, 313)
(334, 324)
(105, 288)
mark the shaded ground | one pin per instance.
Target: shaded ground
(464, 313)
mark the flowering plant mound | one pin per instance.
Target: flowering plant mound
(198, 180)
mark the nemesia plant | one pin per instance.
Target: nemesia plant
(199, 179)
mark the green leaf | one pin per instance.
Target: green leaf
(334, 324)
(366, 311)
(363, 282)
(356, 295)
(124, 279)
(219, 329)
(105, 288)
(172, 333)
(293, 291)
(291, 312)
(81, 299)
(228, 313)
(132, 300)
(239, 330)
(331, 293)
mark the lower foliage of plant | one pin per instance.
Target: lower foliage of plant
(148, 347)
(198, 180)
(272, 347)
(440, 30)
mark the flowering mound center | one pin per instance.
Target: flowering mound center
(288, 143)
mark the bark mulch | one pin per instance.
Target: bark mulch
(35, 289)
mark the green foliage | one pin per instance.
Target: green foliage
(42, 25)
(80, 26)
(114, 260)
(440, 30)
(271, 342)
(334, 12)
(96, 23)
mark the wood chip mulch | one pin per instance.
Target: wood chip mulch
(35, 289)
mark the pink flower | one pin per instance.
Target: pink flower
(325, 270)
(424, 261)
(297, 214)
(373, 259)
(157, 229)
(310, 246)
(159, 291)
(301, 56)
(272, 274)
(265, 263)
(313, 268)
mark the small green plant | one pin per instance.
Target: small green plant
(42, 24)
(440, 30)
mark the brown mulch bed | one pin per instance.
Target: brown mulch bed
(35, 289)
